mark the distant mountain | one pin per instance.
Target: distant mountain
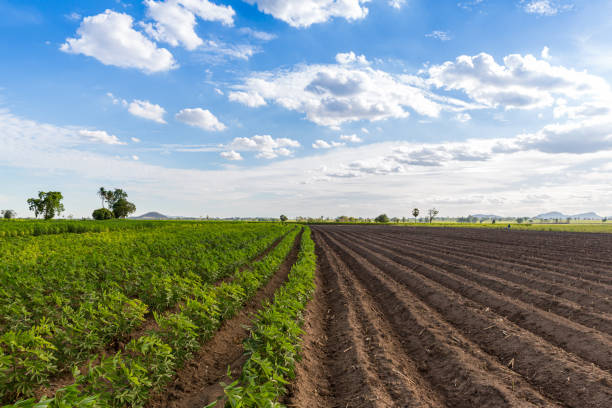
(556, 214)
(151, 216)
(550, 215)
(587, 216)
(488, 216)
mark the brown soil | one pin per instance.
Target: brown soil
(436, 317)
(198, 382)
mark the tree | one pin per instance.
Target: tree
(105, 195)
(382, 218)
(415, 214)
(102, 214)
(8, 214)
(122, 208)
(283, 218)
(48, 204)
(432, 214)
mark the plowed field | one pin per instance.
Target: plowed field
(434, 317)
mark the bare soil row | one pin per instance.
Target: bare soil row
(398, 322)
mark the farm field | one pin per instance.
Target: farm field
(116, 319)
(445, 317)
(191, 314)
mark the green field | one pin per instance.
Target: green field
(117, 307)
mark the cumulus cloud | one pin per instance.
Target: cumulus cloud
(140, 108)
(135, 139)
(100, 136)
(250, 99)
(545, 54)
(303, 13)
(439, 35)
(111, 38)
(350, 58)
(231, 155)
(175, 20)
(331, 95)
(351, 138)
(266, 146)
(201, 118)
(522, 82)
(545, 7)
(147, 110)
(322, 144)
(575, 137)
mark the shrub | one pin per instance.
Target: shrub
(382, 218)
(102, 214)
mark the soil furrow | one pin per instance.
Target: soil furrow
(457, 368)
(582, 279)
(564, 308)
(555, 283)
(550, 369)
(197, 383)
(557, 330)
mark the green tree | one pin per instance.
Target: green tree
(432, 214)
(102, 214)
(382, 218)
(283, 218)
(122, 208)
(48, 204)
(415, 214)
(8, 214)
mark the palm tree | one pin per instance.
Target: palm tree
(102, 193)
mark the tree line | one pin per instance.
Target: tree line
(49, 204)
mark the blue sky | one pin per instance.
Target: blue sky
(308, 107)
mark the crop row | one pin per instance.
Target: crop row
(126, 377)
(274, 343)
(21, 228)
(62, 335)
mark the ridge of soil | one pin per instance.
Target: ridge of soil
(197, 383)
(431, 317)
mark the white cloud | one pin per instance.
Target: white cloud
(265, 145)
(135, 158)
(331, 95)
(545, 7)
(365, 130)
(201, 118)
(351, 138)
(100, 136)
(250, 99)
(259, 35)
(397, 4)
(147, 110)
(218, 91)
(74, 16)
(175, 20)
(545, 53)
(309, 186)
(439, 35)
(523, 82)
(135, 139)
(350, 58)
(322, 144)
(110, 38)
(463, 117)
(469, 5)
(140, 108)
(231, 155)
(303, 13)
(234, 51)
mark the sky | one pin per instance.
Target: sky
(308, 107)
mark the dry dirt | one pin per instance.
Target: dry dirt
(440, 317)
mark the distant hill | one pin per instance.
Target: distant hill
(556, 214)
(587, 216)
(550, 215)
(151, 216)
(488, 216)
